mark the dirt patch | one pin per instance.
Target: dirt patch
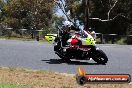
(44, 79)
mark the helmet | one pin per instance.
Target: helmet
(67, 23)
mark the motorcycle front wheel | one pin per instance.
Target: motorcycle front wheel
(100, 57)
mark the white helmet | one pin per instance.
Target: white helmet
(67, 23)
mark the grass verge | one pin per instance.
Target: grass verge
(4, 85)
(22, 39)
(22, 78)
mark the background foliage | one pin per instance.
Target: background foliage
(106, 16)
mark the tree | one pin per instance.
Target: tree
(30, 14)
(2, 10)
(116, 17)
(106, 16)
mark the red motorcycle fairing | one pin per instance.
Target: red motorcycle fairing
(75, 44)
(81, 47)
(74, 41)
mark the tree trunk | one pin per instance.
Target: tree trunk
(86, 15)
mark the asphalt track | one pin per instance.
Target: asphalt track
(40, 56)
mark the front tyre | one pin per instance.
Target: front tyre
(100, 57)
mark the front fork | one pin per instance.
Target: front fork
(92, 51)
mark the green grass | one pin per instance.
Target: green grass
(122, 41)
(66, 87)
(3, 85)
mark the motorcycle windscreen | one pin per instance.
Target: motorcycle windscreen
(50, 37)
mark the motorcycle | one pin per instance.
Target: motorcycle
(80, 46)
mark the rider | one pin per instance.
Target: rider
(68, 30)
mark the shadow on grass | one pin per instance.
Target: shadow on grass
(60, 61)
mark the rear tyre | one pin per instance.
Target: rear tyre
(63, 57)
(100, 57)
